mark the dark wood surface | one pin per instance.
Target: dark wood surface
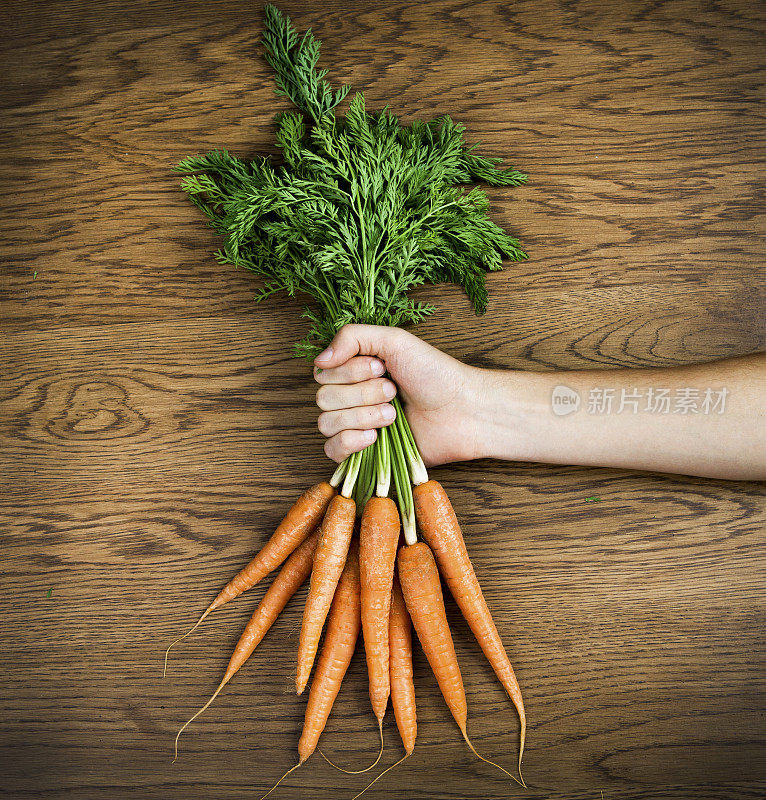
(154, 428)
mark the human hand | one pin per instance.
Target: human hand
(437, 391)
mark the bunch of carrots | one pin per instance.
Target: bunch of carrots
(380, 582)
(362, 209)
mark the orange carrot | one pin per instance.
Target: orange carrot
(421, 587)
(330, 556)
(422, 593)
(439, 527)
(402, 686)
(291, 577)
(343, 628)
(378, 538)
(301, 520)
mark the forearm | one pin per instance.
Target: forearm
(707, 419)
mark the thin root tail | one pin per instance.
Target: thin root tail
(181, 638)
(387, 769)
(523, 736)
(486, 760)
(292, 769)
(359, 771)
(184, 726)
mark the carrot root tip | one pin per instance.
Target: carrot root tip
(387, 769)
(358, 771)
(523, 736)
(181, 638)
(292, 769)
(487, 761)
(186, 724)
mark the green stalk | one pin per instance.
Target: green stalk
(354, 460)
(366, 478)
(403, 487)
(369, 486)
(383, 463)
(337, 476)
(399, 479)
(417, 469)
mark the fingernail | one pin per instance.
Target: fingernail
(388, 413)
(325, 355)
(377, 368)
(368, 436)
(389, 390)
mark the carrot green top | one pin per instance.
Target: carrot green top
(361, 209)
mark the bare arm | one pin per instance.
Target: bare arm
(705, 419)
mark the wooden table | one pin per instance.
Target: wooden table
(154, 428)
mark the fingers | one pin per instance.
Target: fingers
(331, 397)
(346, 442)
(356, 419)
(361, 368)
(368, 340)
(353, 395)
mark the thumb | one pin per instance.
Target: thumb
(366, 340)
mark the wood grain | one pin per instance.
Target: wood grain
(153, 427)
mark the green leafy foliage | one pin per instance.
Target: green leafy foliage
(362, 209)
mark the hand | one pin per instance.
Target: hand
(437, 391)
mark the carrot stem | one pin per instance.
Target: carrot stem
(383, 454)
(417, 469)
(365, 482)
(337, 476)
(355, 460)
(403, 488)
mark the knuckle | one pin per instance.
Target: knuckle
(372, 391)
(344, 335)
(363, 368)
(383, 414)
(324, 393)
(331, 451)
(324, 424)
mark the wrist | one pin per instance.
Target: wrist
(509, 409)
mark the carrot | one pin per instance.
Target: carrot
(301, 520)
(291, 577)
(421, 587)
(441, 530)
(343, 626)
(402, 687)
(422, 593)
(378, 538)
(330, 556)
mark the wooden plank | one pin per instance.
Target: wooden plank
(154, 428)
